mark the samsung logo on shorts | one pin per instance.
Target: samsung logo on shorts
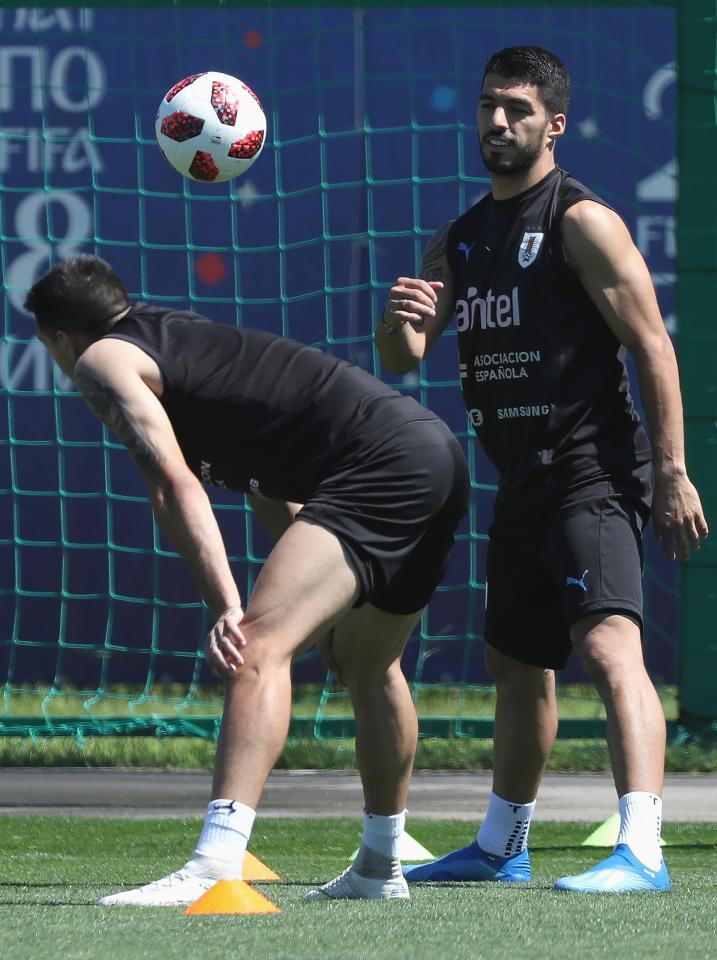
(514, 413)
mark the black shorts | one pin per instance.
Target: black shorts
(395, 511)
(581, 557)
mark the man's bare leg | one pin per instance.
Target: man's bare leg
(610, 648)
(366, 653)
(367, 645)
(526, 723)
(305, 585)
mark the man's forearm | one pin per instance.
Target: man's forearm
(400, 350)
(185, 516)
(662, 401)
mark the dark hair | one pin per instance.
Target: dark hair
(538, 67)
(80, 295)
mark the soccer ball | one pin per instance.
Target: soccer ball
(210, 126)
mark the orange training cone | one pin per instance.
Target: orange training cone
(231, 896)
(254, 869)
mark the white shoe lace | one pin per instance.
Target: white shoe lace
(339, 887)
(172, 880)
(352, 886)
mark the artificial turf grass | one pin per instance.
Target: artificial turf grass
(55, 869)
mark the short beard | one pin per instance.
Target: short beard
(520, 163)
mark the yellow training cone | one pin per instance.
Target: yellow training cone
(254, 869)
(231, 896)
(409, 850)
(606, 834)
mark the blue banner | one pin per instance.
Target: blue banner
(370, 148)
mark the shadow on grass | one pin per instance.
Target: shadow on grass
(32, 886)
(15, 904)
(580, 846)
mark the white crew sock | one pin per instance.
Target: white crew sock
(640, 826)
(382, 834)
(223, 840)
(504, 831)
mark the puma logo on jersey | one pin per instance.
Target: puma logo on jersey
(494, 310)
(466, 249)
(529, 248)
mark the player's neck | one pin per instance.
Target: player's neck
(505, 187)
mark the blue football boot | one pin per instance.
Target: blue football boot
(620, 873)
(471, 863)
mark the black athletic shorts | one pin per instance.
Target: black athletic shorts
(395, 511)
(544, 573)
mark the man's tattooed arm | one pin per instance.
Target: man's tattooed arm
(105, 404)
(433, 264)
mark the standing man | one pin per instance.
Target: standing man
(549, 291)
(383, 483)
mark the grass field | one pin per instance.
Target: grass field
(577, 700)
(193, 753)
(55, 869)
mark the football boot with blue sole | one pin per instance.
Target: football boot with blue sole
(620, 873)
(471, 863)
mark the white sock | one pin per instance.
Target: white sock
(640, 826)
(224, 836)
(504, 831)
(382, 834)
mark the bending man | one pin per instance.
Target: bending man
(383, 484)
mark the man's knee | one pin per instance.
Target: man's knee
(510, 674)
(267, 651)
(364, 675)
(367, 645)
(609, 647)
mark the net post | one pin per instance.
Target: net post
(697, 345)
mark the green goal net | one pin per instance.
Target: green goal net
(370, 148)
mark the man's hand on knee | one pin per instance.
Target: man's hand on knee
(224, 642)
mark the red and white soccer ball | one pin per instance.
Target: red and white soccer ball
(210, 127)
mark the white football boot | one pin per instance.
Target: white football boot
(350, 885)
(380, 878)
(180, 888)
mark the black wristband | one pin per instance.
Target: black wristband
(390, 330)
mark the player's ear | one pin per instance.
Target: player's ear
(62, 339)
(556, 127)
(71, 345)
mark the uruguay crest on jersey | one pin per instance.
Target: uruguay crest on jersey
(529, 247)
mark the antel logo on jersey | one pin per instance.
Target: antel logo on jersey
(529, 247)
(499, 310)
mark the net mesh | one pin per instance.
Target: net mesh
(371, 147)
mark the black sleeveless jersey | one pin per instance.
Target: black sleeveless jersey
(256, 412)
(543, 377)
